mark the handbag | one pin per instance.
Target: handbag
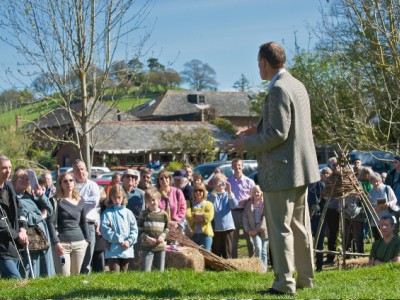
(37, 239)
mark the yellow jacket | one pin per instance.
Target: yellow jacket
(207, 209)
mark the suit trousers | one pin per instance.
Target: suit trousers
(289, 233)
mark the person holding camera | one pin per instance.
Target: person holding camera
(37, 208)
(224, 200)
(73, 236)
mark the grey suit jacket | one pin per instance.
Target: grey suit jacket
(284, 142)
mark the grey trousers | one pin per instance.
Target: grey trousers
(148, 257)
(289, 232)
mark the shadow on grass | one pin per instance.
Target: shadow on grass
(129, 293)
(158, 294)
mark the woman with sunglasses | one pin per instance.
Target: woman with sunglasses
(199, 216)
(172, 199)
(73, 235)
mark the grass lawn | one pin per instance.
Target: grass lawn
(380, 282)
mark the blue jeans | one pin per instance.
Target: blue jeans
(261, 250)
(147, 257)
(203, 240)
(87, 261)
(9, 268)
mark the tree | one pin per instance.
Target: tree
(66, 39)
(200, 76)
(242, 85)
(154, 65)
(165, 78)
(16, 146)
(198, 144)
(359, 39)
(42, 84)
(13, 99)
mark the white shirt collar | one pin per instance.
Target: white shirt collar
(272, 82)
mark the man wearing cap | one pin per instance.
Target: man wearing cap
(386, 249)
(393, 180)
(181, 182)
(145, 179)
(89, 191)
(135, 196)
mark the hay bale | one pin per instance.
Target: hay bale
(252, 264)
(184, 258)
(357, 262)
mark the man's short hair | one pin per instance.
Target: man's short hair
(3, 157)
(274, 54)
(389, 218)
(236, 160)
(77, 161)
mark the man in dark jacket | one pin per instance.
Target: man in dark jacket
(12, 224)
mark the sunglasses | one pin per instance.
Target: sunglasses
(131, 177)
(67, 180)
(164, 178)
(198, 191)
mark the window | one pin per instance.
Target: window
(201, 99)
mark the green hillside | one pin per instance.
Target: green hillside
(32, 111)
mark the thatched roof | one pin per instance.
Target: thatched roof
(226, 104)
(60, 116)
(133, 137)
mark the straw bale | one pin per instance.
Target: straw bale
(185, 258)
(357, 262)
(252, 264)
(212, 261)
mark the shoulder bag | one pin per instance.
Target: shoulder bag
(37, 239)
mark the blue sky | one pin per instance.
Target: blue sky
(225, 34)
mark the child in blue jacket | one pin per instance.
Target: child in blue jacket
(118, 227)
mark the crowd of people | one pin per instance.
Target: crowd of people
(121, 226)
(125, 227)
(359, 225)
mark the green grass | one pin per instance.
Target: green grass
(128, 103)
(381, 282)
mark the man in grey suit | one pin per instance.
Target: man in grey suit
(287, 163)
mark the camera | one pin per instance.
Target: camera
(62, 259)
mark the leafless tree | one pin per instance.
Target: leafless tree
(359, 47)
(74, 43)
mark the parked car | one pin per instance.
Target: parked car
(207, 169)
(101, 181)
(96, 171)
(106, 175)
(378, 161)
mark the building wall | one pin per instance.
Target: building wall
(66, 155)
